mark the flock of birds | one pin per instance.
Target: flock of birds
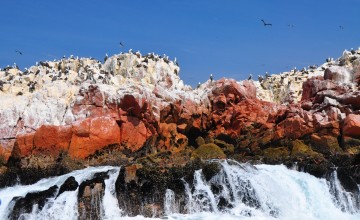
(87, 69)
(166, 59)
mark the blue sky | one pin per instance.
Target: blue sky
(225, 38)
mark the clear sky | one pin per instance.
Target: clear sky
(222, 37)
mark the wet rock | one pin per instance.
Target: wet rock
(70, 184)
(91, 193)
(25, 204)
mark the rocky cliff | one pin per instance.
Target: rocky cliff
(134, 110)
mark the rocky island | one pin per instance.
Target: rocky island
(134, 112)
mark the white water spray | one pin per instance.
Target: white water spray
(238, 191)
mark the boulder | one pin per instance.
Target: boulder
(209, 151)
(92, 135)
(51, 140)
(338, 74)
(133, 133)
(351, 126)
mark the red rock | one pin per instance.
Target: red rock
(337, 74)
(52, 140)
(6, 149)
(133, 133)
(129, 104)
(92, 135)
(350, 98)
(170, 136)
(245, 90)
(314, 85)
(25, 143)
(293, 128)
(352, 126)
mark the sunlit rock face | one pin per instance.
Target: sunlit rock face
(78, 111)
(287, 87)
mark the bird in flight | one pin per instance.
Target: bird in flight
(19, 52)
(341, 27)
(121, 44)
(265, 24)
(291, 25)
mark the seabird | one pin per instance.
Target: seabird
(15, 66)
(265, 24)
(341, 27)
(1, 85)
(260, 78)
(250, 77)
(291, 25)
(19, 52)
(211, 77)
(106, 57)
(121, 44)
(198, 86)
(31, 86)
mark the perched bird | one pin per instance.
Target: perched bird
(198, 86)
(266, 24)
(106, 57)
(250, 77)
(211, 77)
(19, 52)
(121, 44)
(260, 78)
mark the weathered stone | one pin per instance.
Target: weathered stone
(52, 140)
(352, 126)
(325, 144)
(276, 155)
(133, 133)
(103, 131)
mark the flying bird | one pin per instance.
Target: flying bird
(265, 24)
(291, 25)
(121, 44)
(341, 27)
(19, 52)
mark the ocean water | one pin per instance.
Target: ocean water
(238, 191)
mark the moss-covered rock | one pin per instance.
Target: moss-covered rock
(353, 150)
(349, 142)
(273, 155)
(199, 141)
(227, 148)
(210, 170)
(209, 151)
(325, 144)
(300, 149)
